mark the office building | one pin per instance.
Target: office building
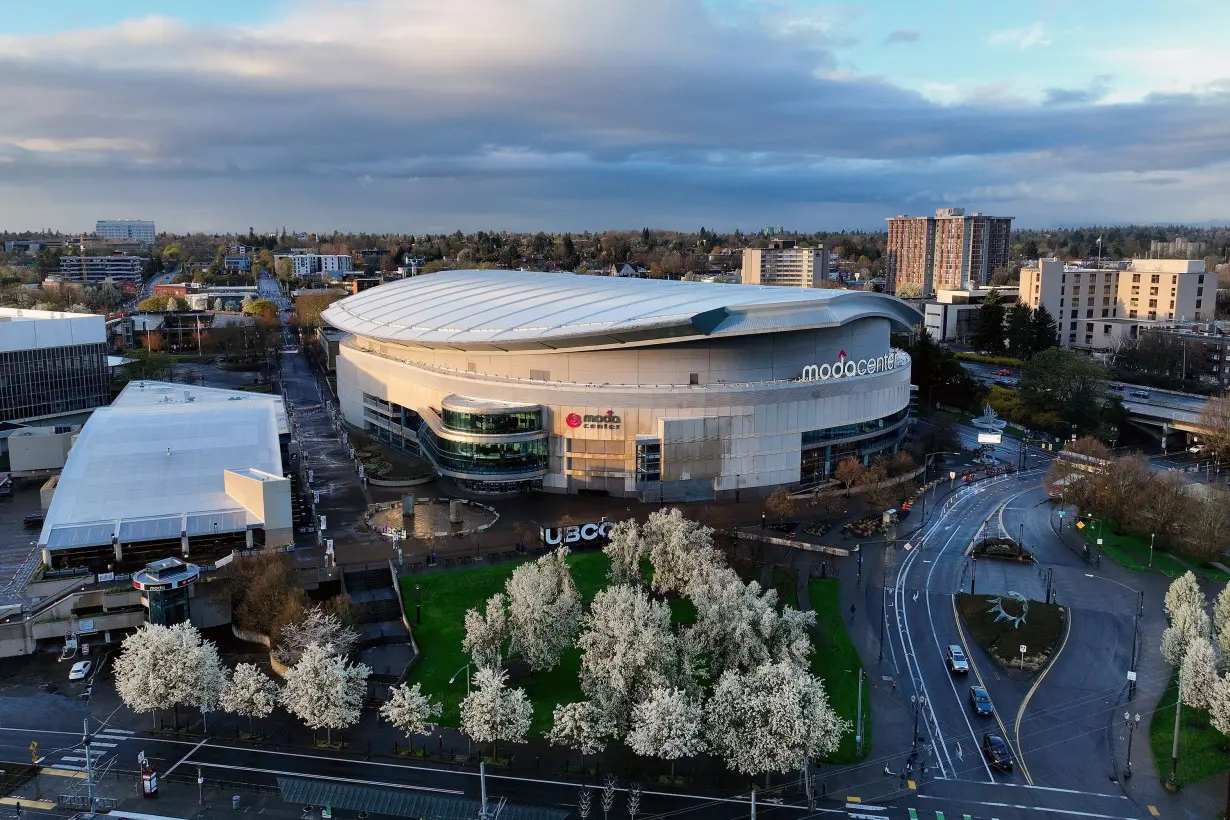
(324, 265)
(53, 364)
(171, 471)
(1149, 290)
(96, 269)
(783, 263)
(514, 380)
(948, 251)
(133, 230)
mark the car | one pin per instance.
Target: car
(981, 701)
(995, 750)
(958, 664)
(1003, 371)
(32, 520)
(1196, 449)
(1003, 383)
(1139, 394)
(1116, 387)
(80, 670)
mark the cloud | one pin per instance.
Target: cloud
(555, 115)
(903, 35)
(1025, 37)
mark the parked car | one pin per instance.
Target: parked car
(995, 750)
(1003, 371)
(32, 520)
(981, 701)
(80, 670)
(958, 664)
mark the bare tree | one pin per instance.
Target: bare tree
(781, 503)
(1215, 419)
(850, 472)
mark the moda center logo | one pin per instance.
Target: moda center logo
(599, 421)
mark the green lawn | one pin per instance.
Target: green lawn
(837, 664)
(1200, 755)
(447, 596)
(1131, 551)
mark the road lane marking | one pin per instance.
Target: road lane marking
(956, 617)
(27, 803)
(187, 755)
(853, 799)
(1020, 715)
(1153, 810)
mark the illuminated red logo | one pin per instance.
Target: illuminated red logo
(841, 355)
(573, 420)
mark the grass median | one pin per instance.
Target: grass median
(836, 662)
(1200, 745)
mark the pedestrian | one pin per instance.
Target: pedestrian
(851, 612)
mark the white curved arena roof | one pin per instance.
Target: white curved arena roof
(520, 310)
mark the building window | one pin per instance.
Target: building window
(1105, 313)
(1089, 328)
(1106, 301)
(1198, 302)
(1089, 314)
(1199, 292)
(1077, 289)
(693, 378)
(1153, 291)
(1135, 277)
(648, 461)
(1131, 314)
(1074, 313)
(1155, 279)
(1073, 327)
(1172, 304)
(1152, 315)
(528, 421)
(1062, 291)
(1200, 281)
(1105, 330)
(540, 375)
(1152, 303)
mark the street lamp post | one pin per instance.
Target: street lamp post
(926, 468)
(918, 702)
(418, 604)
(1152, 535)
(465, 669)
(973, 578)
(1132, 723)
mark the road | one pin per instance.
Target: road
(1056, 724)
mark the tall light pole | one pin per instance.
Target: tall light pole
(926, 468)
(1132, 723)
(1152, 535)
(465, 669)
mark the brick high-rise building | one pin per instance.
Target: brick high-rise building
(782, 263)
(948, 251)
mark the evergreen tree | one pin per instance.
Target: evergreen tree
(1045, 331)
(1020, 331)
(990, 333)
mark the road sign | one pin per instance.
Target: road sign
(1061, 513)
(1080, 525)
(1131, 675)
(1022, 649)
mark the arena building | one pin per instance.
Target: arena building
(512, 380)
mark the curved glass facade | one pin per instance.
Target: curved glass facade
(493, 458)
(521, 421)
(822, 450)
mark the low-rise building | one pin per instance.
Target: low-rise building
(169, 470)
(953, 315)
(136, 230)
(53, 364)
(96, 269)
(320, 265)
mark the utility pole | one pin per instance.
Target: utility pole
(1173, 782)
(858, 728)
(973, 578)
(482, 780)
(753, 803)
(89, 763)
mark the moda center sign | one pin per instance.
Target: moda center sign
(844, 367)
(599, 421)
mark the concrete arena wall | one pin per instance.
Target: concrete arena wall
(728, 433)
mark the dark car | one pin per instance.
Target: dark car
(958, 664)
(995, 750)
(32, 520)
(981, 701)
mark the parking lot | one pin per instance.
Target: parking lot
(17, 543)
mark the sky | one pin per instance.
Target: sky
(571, 115)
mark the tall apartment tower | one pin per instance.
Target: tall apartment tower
(782, 263)
(948, 251)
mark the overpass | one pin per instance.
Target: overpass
(1164, 413)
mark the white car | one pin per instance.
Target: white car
(80, 670)
(1196, 449)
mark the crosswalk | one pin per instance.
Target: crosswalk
(102, 750)
(862, 811)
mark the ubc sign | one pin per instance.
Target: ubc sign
(555, 536)
(845, 368)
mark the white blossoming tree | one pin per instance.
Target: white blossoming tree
(544, 610)
(486, 633)
(250, 693)
(410, 710)
(324, 691)
(1184, 592)
(1199, 674)
(772, 719)
(492, 712)
(580, 726)
(1221, 627)
(318, 627)
(731, 617)
(627, 649)
(163, 667)
(1219, 705)
(668, 724)
(625, 549)
(678, 548)
(1186, 624)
